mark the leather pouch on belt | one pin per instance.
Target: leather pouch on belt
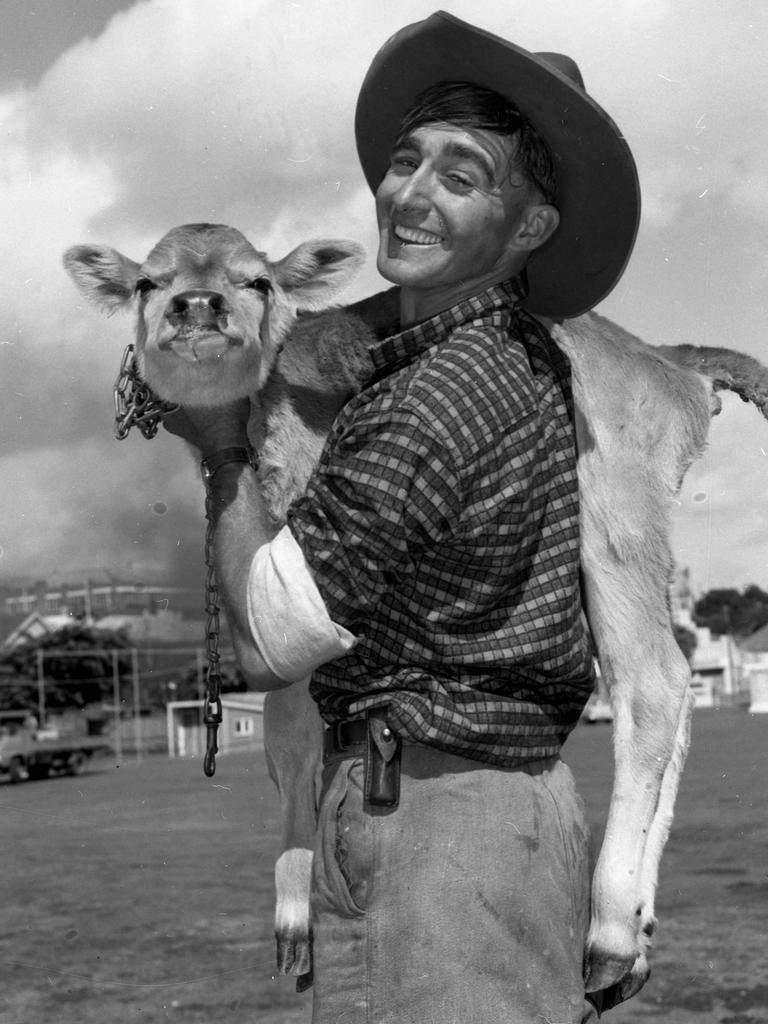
(382, 764)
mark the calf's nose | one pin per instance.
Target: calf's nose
(198, 307)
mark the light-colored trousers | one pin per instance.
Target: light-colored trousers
(467, 904)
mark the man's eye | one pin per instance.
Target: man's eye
(144, 286)
(262, 285)
(460, 180)
(401, 162)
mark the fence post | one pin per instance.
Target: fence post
(136, 702)
(116, 706)
(201, 686)
(40, 688)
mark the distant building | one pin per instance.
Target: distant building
(718, 674)
(34, 627)
(754, 648)
(146, 630)
(146, 613)
(754, 652)
(717, 663)
(94, 598)
(242, 725)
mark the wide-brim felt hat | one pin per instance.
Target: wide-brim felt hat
(598, 193)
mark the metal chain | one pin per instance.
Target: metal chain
(136, 405)
(212, 712)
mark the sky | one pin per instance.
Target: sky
(120, 120)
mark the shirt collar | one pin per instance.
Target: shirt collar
(400, 349)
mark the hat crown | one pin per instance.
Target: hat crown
(564, 64)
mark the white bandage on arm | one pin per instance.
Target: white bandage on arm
(289, 621)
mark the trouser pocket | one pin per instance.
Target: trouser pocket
(343, 861)
(574, 834)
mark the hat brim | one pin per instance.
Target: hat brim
(597, 184)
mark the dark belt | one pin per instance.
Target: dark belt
(350, 737)
(373, 739)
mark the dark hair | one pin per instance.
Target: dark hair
(472, 106)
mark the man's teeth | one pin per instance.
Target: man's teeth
(415, 236)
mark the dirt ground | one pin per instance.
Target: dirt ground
(143, 892)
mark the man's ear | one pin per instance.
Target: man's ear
(537, 225)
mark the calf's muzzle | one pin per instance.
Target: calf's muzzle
(197, 308)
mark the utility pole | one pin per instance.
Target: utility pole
(40, 688)
(136, 702)
(116, 705)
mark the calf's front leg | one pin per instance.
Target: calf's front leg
(654, 847)
(293, 738)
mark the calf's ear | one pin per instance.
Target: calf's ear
(316, 271)
(103, 276)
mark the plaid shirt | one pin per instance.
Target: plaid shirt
(442, 529)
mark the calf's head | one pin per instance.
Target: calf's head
(212, 311)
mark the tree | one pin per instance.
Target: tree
(727, 611)
(232, 679)
(78, 667)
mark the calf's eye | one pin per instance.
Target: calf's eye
(262, 285)
(144, 286)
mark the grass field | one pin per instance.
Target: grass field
(144, 892)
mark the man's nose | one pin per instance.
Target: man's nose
(414, 191)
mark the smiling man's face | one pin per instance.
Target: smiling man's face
(452, 212)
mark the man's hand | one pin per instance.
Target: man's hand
(211, 429)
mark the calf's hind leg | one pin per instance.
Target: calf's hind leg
(648, 679)
(654, 847)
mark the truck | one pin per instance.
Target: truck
(28, 752)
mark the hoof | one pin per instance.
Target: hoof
(607, 993)
(294, 956)
(604, 970)
(636, 978)
(304, 982)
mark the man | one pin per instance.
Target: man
(429, 577)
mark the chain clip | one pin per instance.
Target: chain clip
(212, 718)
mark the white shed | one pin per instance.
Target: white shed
(242, 725)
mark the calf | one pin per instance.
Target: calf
(217, 320)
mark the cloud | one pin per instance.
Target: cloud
(205, 116)
(719, 516)
(134, 508)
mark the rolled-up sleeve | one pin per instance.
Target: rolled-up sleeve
(288, 618)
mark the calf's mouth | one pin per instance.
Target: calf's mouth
(197, 344)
